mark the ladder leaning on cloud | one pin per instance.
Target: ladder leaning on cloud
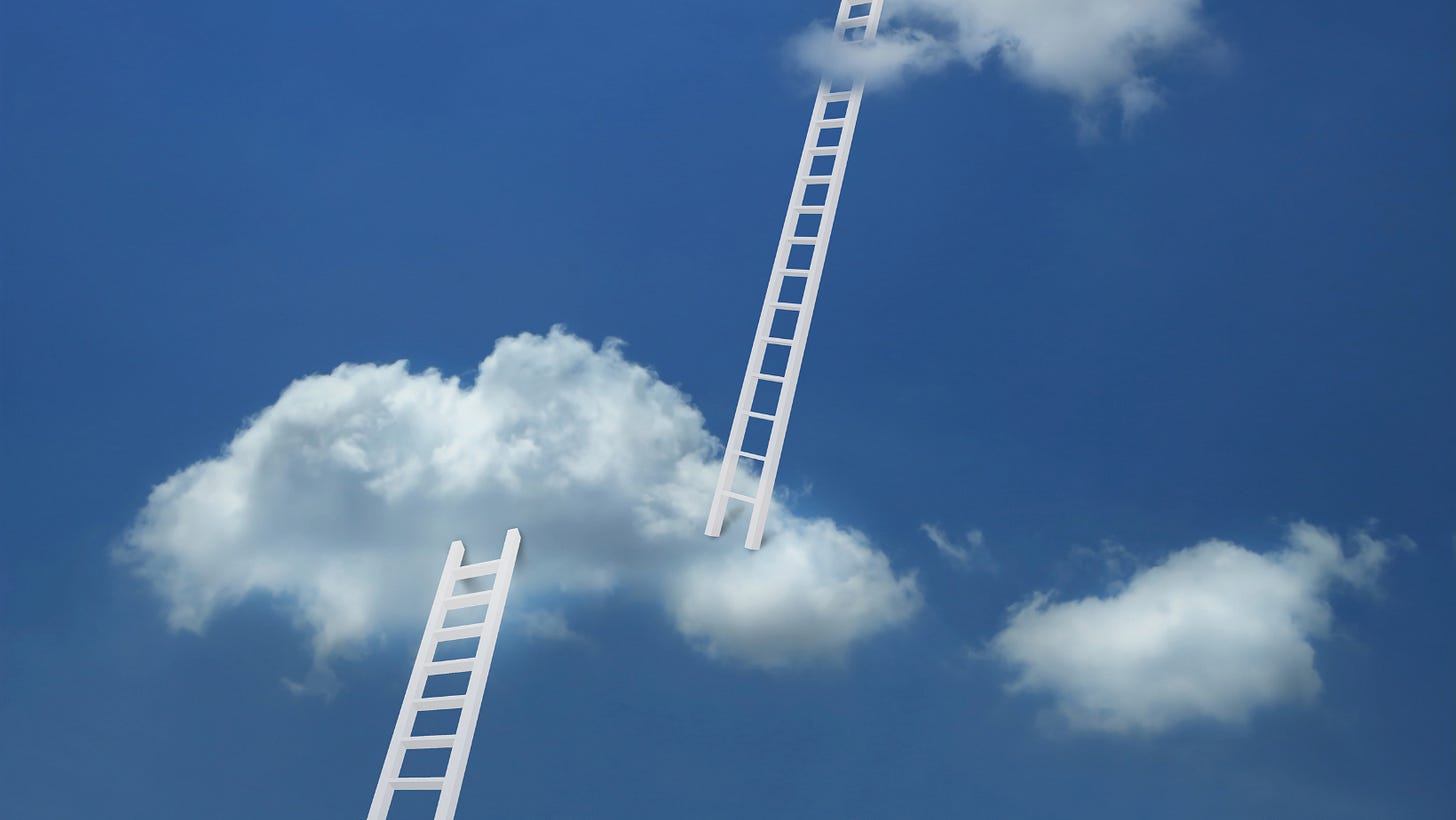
(793, 285)
(426, 666)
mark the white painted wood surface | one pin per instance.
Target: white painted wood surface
(858, 21)
(425, 667)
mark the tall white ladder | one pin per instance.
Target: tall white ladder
(494, 599)
(788, 306)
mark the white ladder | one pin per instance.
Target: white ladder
(425, 666)
(802, 247)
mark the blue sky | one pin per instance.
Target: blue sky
(1226, 317)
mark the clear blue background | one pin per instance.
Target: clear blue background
(1237, 315)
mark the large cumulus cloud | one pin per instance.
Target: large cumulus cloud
(338, 500)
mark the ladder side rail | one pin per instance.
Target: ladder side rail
(480, 670)
(394, 756)
(873, 27)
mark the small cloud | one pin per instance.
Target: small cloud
(1213, 632)
(973, 556)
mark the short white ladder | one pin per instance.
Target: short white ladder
(494, 599)
(793, 284)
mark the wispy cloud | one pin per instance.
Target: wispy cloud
(972, 556)
(550, 625)
(1213, 632)
(1097, 53)
(338, 501)
(894, 56)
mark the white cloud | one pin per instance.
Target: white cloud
(972, 557)
(894, 56)
(338, 501)
(1213, 632)
(795, 599)
(1095, 52)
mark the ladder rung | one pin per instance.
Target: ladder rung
(741, 497)
(450, 667)
(802, 240)
(754, 456)
(471, 599)
(795, 272)
(775, 340)
(757, 415)
(455, 633)
(769, 377)
(818, 179)
(837, 96)
(786, 305)
(419, 784)
(809, 209)
(428, 742)
(442, 702)
(477, 570)
(836, 122)
(823, 150)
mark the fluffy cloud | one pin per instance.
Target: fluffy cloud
(1092, 51)
(338, 502)
(798, 600)
(1213, 632)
